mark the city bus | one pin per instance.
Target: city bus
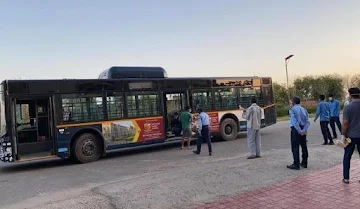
(124, 107)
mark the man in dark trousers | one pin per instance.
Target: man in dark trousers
(299, 124)
(351, 129)
(203, 131)
(323, 111)
(334, 114)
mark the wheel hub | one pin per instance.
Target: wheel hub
(89, 148)
(228, 129)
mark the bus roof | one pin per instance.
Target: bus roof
(126, 84)
(136, 79)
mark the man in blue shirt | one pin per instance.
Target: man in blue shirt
(323, 111)
(299, 124)
(334, 115)
(203, 131)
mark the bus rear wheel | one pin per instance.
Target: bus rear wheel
(228, 129)
(86, 148)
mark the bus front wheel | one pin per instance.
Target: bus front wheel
(86, 148)
(228, 129)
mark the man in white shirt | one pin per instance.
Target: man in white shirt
(253, 117)
(203, 131)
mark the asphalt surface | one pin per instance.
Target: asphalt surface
(161, 176)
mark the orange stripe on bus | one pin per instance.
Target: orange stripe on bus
(37, 158)
(101, 122)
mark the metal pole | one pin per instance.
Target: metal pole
(287, 82)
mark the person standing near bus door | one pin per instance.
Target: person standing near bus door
(203, 131)
(186, 119)
(351, 129)
(253, 117)
(176, 124)
(299, 125)
(334, 115)
(323, 111)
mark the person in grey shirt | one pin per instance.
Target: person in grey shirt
(351, 129)
(253, 117)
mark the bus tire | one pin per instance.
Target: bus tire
(229, 129)
(86, 148)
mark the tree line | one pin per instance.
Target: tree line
(309, 88)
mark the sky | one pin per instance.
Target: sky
(188, 38)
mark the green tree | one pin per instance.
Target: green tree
(355, 81)
(280, 94)
(304, 87)
(311, 87)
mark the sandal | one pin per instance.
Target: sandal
(346, 181)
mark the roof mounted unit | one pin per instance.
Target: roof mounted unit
(133, 72)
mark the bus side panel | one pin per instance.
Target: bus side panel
(6, 154)
(133, 132)
(270, 115)
(65, 134)
(117, 134)
(214, 122)
(242, 117)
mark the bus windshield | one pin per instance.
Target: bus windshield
(2, 111)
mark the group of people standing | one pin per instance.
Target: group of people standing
(329, 113)
(184, 120)
(252, 115)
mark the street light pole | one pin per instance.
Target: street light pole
(287, 75)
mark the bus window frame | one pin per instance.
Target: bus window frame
(257, 94)
(237, 94)
(203, 90)
(124, 106)
(159, 103)
(79, 95)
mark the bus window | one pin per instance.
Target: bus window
(139, 105)
(82, 108)
(115, 106)
(175, 102)
(202, 98)
(22, 116)
(245, 95)
(226, 99)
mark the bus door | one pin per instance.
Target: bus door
(175, 102)
(34, 122)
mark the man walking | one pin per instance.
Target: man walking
(203, 131)
(186, 118)
(253, 117)
(299, 124)
(334, 115)
(323, 111)
(351, 129)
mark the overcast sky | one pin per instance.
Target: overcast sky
(81, 38)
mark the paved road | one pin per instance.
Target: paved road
(164, 177)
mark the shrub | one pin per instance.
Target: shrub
(283, 110)
(310, 109)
